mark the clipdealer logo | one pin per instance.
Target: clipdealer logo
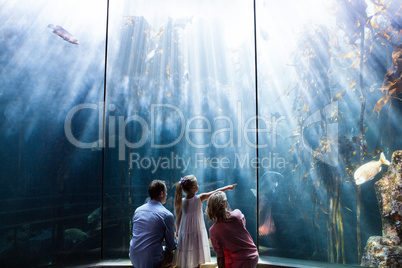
(196, 131)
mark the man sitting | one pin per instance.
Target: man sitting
(153, 223)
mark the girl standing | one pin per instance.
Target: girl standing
(193, 245)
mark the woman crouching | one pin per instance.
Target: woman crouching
(230, 239)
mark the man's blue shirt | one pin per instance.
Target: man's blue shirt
(152, 223)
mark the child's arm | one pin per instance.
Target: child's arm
(205, 196)
(178, 219)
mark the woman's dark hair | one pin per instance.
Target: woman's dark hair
(155, 188)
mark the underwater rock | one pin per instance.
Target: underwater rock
(386, 250)
(378, 254)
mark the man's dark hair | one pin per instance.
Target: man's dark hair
(155, 188)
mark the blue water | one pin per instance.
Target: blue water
(165, 89)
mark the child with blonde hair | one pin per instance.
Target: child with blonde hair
(193, 246)
(230, 239)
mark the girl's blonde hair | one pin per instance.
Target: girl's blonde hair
(185, 185)
(216, 207)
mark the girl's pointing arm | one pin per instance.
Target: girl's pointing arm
(205, 196)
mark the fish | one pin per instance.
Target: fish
(269, 181)
(60, 31)
(186, 76)
(339, 95)
(75, 235)
(254, 191)
(268, 227)
(374, 87)
(94, 216)
(182, 22)
(265, 249)
(96, 147)
(161, 30)
(150, 56)
(369, 170)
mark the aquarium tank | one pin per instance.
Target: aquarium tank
(285, 98)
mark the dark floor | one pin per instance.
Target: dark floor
(271, 262)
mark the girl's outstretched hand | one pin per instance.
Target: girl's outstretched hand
(231, 187)
(205, 196)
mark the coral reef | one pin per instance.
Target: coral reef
(386, 250)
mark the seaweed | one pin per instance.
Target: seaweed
(351, 50)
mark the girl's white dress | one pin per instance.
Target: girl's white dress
(192, 245)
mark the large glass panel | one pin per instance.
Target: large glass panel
(180, 100)
(51, 81)
(321, 68)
